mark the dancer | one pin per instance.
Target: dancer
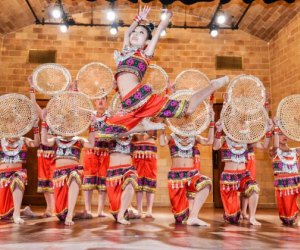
(121, 178)
(145, 161)
(13, 177)
(236, 178)
(188, 189)
(286, 175)
(67, 176)
(137, 99)
(96, 162)
(46, 162)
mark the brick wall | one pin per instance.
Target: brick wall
(179, 50)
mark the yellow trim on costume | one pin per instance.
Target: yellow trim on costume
(250, 190)
(130, 180)
(45, 190)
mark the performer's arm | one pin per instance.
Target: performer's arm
(33, 98)
(141, 16)
(149, 51)
(44, 135)
(36, 131)
(163, 139)
(276, 133)
(267, 139)
(218, 141)
(210, 139)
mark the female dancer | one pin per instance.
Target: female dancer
(145, 161)
(188, 189)
(96, 162)
(121, 178)
(137, 98)
(235, 177)
(287, 178)
(67, 176)
(46, 162)
(13, 177)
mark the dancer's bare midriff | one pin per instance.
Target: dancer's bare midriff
(117, 159)
(65, 162)
(178, 162)
(126, 82)
(230, 165)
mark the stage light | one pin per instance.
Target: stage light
(214, 32)
(163, 33)
(63, 28)
(111, 15)
(56, 12)
(163, 15)
(221, 18)
(113, 30)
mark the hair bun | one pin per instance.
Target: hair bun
(150, 26)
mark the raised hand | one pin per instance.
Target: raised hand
(211, 114)
(44, 114)
(270, 125)
(30, 81)
(143, 12)
(219, 126)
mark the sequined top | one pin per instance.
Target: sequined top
(120, 147)
(63, 151)
(286, 162)
(135, 63)
(237, 154)
(144, 150)
(13, 155)
(175, 151)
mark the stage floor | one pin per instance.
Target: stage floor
(153, 234)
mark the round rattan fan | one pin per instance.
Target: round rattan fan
(289, 116)
(191, 79)
(243, 121)
(157, 78)
(68, 113)
(115, 105)
(191, 125)
(51, 78)
(95, 80)
(246, 86)
(17, 114)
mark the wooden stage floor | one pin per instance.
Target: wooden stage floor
(153, 234)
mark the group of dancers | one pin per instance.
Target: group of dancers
(120, 155)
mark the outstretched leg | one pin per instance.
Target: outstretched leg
(101, 203)
(150, 200)
(253, 201)
(199, 200)
(244, 206)
(139, 199)
(49, 197)
(126, 198)
(72, 198)
(17, 198)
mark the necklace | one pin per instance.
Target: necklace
(235, 147)
(287, 157)
(125, 53)
(185, 151)
(17, 146)
(66, 145)
(123, 147)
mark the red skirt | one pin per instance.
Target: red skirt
(9, 179)
(61, 180)
(251, 165)
(117, 178)
(184, 184)
(139, 104)
(46, 165)
(95, 167)
(231, 183)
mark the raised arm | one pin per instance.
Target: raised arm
(92, 135)
(210, 139)
(36, 138)
(143, 13)
(219, 140)
(33, 98)
(267, 139)
(149, 51)
(163, 138)
(44, 135)
(276, 133)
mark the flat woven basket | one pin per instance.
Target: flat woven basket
(246, 86)
(289, 116)
(68, 113)
(95, 80)
(191, 79)
(244, 121)
(17, 114)
(115, 104)
(157, 77)
(51, 78)
(191, 125)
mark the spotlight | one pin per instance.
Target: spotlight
(163, 16)
(214, 31)
(163, 33)
(111, 15)
(221, 18)
(113, 29)
(56, 12)
(63, 28)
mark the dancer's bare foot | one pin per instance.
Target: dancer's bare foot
(244, 216)
(149, 215)
(123, 221)
(102, 214)
(18, 220)
(85, 215)
(47, 214)
(254, 222)
(28, 212)
(69, 221)
(197, 222)
(219, 82)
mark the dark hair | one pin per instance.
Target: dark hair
(149, 28)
